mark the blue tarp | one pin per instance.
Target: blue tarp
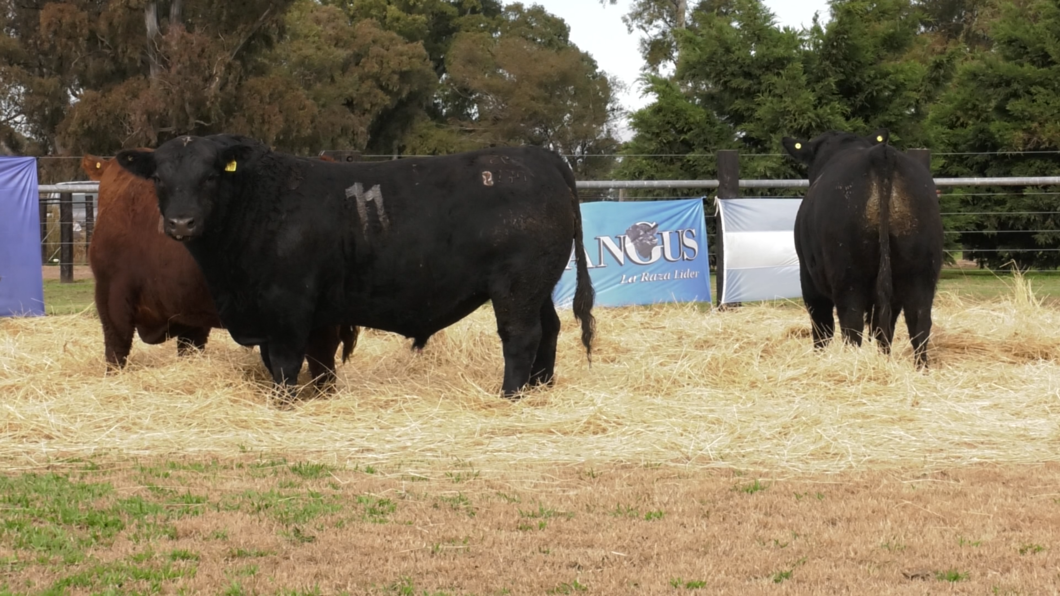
(21, 285)
(642, 252)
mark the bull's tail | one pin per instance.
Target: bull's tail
(348, 334)
(583, 290)
(885, 172)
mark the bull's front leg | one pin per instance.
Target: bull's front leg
(286, 357)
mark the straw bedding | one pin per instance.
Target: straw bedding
(668, 384)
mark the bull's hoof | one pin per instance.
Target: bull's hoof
(542, 379)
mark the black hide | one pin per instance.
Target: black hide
(411, 246)
(869, 239)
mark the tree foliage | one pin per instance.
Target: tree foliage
(974, 80)
(383, 76)
(1001, 117)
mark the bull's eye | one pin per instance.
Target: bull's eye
(211, 178)
(156, 179)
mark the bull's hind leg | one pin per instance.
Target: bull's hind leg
(519, 325)
(851, 313)
(116, 315)
(918, 321)
(883, 331)
(189, 339)
(820, 308)
(320, 354)
(544, 369)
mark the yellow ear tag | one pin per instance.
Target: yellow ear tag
(231, 167)
(798, 145)
(97, 165)
(879, 138)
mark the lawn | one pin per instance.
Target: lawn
(71, 298)
(974, 284)
(701, 453)
(273, 526)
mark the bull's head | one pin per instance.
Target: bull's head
(815, 153)
(190, 174)
(642, 235)
(94, 166)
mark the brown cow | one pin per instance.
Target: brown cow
(148, 282)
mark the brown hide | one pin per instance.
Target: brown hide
(144, 280)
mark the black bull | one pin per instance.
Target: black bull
(869, 239)
(410, 246)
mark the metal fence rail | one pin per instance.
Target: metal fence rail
(93, 187)
(57, 213)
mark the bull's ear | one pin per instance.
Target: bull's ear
(93, 166)
(797, 148)
(138, 163)
(236, 156)
(880, 137)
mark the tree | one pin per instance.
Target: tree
(657, 20)
(1001, 118)
(383, 76)
(762, 82)
(521, 80)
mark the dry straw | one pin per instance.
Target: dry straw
(668, 385)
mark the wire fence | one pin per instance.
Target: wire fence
(983, 227)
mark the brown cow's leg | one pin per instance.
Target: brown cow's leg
(116, 315)
(189, 339)
(544, 369)
(320, 354)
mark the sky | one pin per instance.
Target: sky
(599, 30)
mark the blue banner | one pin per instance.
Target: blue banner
(642, 252)
(21, 286)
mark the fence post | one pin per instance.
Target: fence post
(921, 155)
(90, 220)
(66, 237)
(42, 204)
(728, 188)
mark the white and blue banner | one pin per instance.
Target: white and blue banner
(642, 252)
(758, 250)
(21, 284)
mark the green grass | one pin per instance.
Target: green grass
(71, 298)
(752, 488)
(981, 284)
(977, 284)
(951, 575)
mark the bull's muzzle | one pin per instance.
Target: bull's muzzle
(182, 228)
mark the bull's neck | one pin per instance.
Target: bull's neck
(233, 243)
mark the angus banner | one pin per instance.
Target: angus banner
(642, 253)
(21, 286)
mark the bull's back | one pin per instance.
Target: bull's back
(838, 226)
(425, 236)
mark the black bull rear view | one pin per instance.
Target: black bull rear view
(869, 239)
(411, 246)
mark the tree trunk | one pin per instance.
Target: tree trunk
(681, 6)
(151, 23)
(176, 12)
